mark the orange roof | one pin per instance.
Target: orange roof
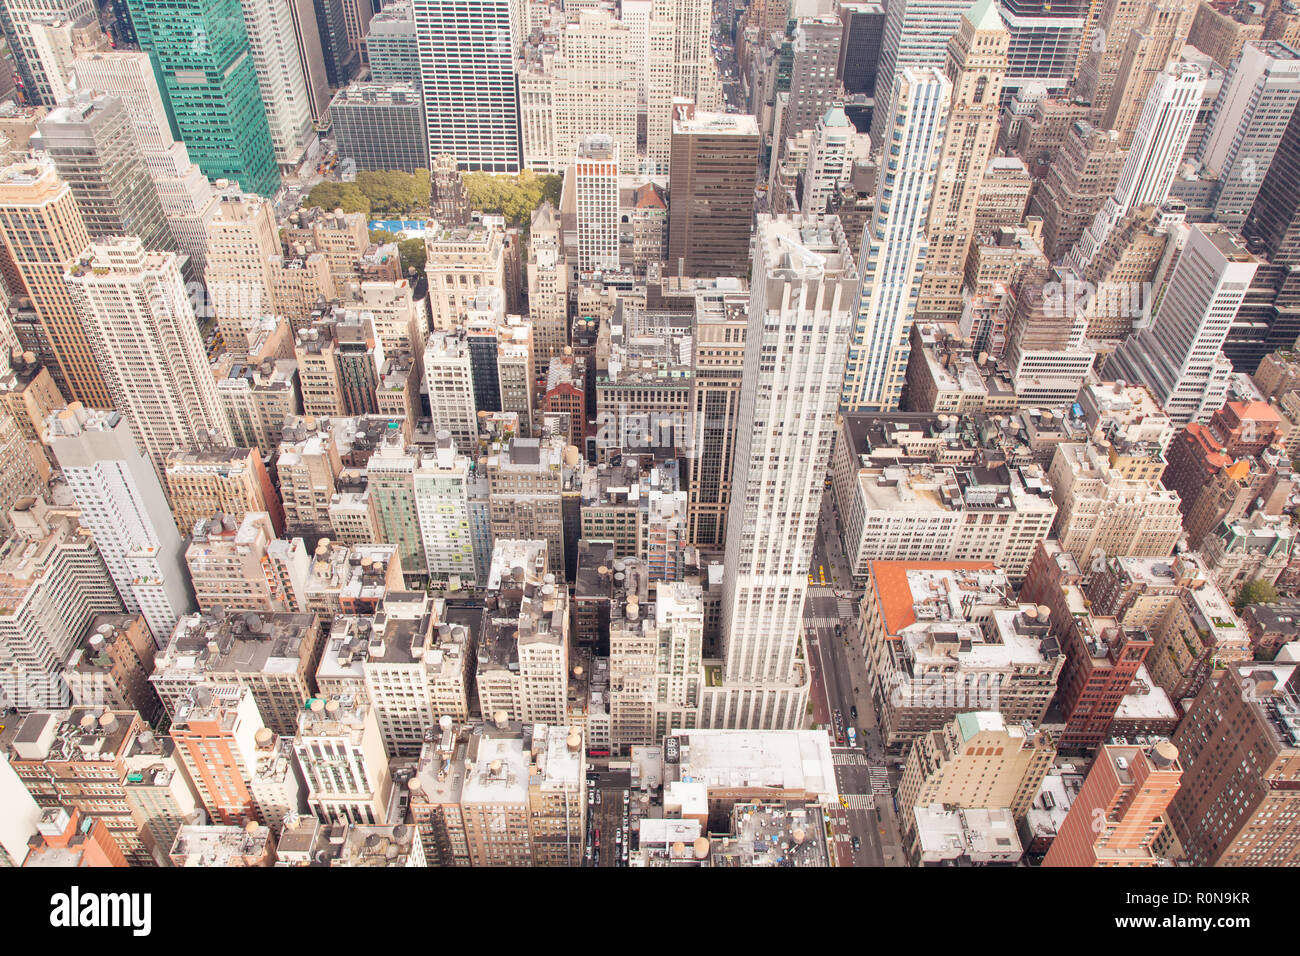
(1259, 411)
(894, 596)
(1239, 470)
(648, 197)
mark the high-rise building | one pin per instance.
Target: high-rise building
(221, 118)
(239, 564)
(442, 505)
(467, 75)
(595, 184)
(341, 752)
(380, 126)
(91, 141)
(711, 206)
(311, 55)
(916, 36)
(1081, 178)
(802, 304)
(242, 239)
(1238, 743)
(449, 376)
(836, 145)
(1118, 815)
(341, 61)
(1046, 39)
(460, 261)
(1252, 111)
(390, 45)
(1156, 39)
(975, 67)
(894, 244)
(864, 29)
(122, 503)
(814, 87)
(1180, 356)
(548, 286)
(43, 233)
(139, 321)
(21, 23)
(273, 43)
(212, 479)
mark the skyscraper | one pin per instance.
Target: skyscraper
(140, 324)
(711, 206)
(220, 117)
(595, 182)
(802, 306)
(814, 87)
(1179, 357)
(122, 503)
(280, 77)
(1157, 39)
(92, 143)
(17, 20)
(43, 233)
(977, 62)
(916, 35)
(894, 243)
(467, 75)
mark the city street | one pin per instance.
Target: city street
(839, 685)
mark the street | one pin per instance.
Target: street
(864, 780)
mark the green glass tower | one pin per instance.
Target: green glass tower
(200, 52)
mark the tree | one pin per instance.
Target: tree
(514, 197)
(345, 196)
(413, 255)
(1258, 591)
(381, 236)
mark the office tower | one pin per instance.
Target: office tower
(528, 479)
(221, 119)
(448, 373)
(1179, 357)
(548, 286)
(864, 29)
(139, 321)
(975, 68)
(92, 144)
(1082, 176)
(1154, 157)
(58, 43)
(800, 318)
(976, 761)
(595, 182)
(711, 205)
(1102, 61)
(441, 483)
(1003, 196)
(1236, 744)
(1045, 348)
(21, 25)
(380, 126)
(718, 336)
(22, 465)
(122, 503)
(187, 197)
(894, 245)
(460, 261)
(341, 753)
(1251, 115)
(43, 233)
(211, 479)
(467, 75)
(55, 583)
(660, 57)
(813, 84)
(479, 324)
(1126, 263)
(331, 26)
(834, 149)
(356, 21)
(390, 475)
(1148, 49)
(916, 36)
(241, 237)
(391, 47)
(76, 760)
(579, 85)
(360, 360)
(1046, 38)
(1118, 815)
(307, 41)
(280, 77)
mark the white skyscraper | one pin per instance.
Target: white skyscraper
(142, 329)
(802, 307)
(1254, 105)
(595, 182)
(449, 376)
(916, 35)
(17, 19)
(1180, 356)
(442, 505)
(123, 505)
(1152, 161)
(467, 75)
(836, 144)
(894, 241)
(274, 45)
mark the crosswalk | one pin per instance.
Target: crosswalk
(860, 801)
(879, 781)
(823, 621)
(849, 758)
(847, 608)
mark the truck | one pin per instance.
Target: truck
(853, 737)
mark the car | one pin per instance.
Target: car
(853, 711)
(591, 798)
(857, 844)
